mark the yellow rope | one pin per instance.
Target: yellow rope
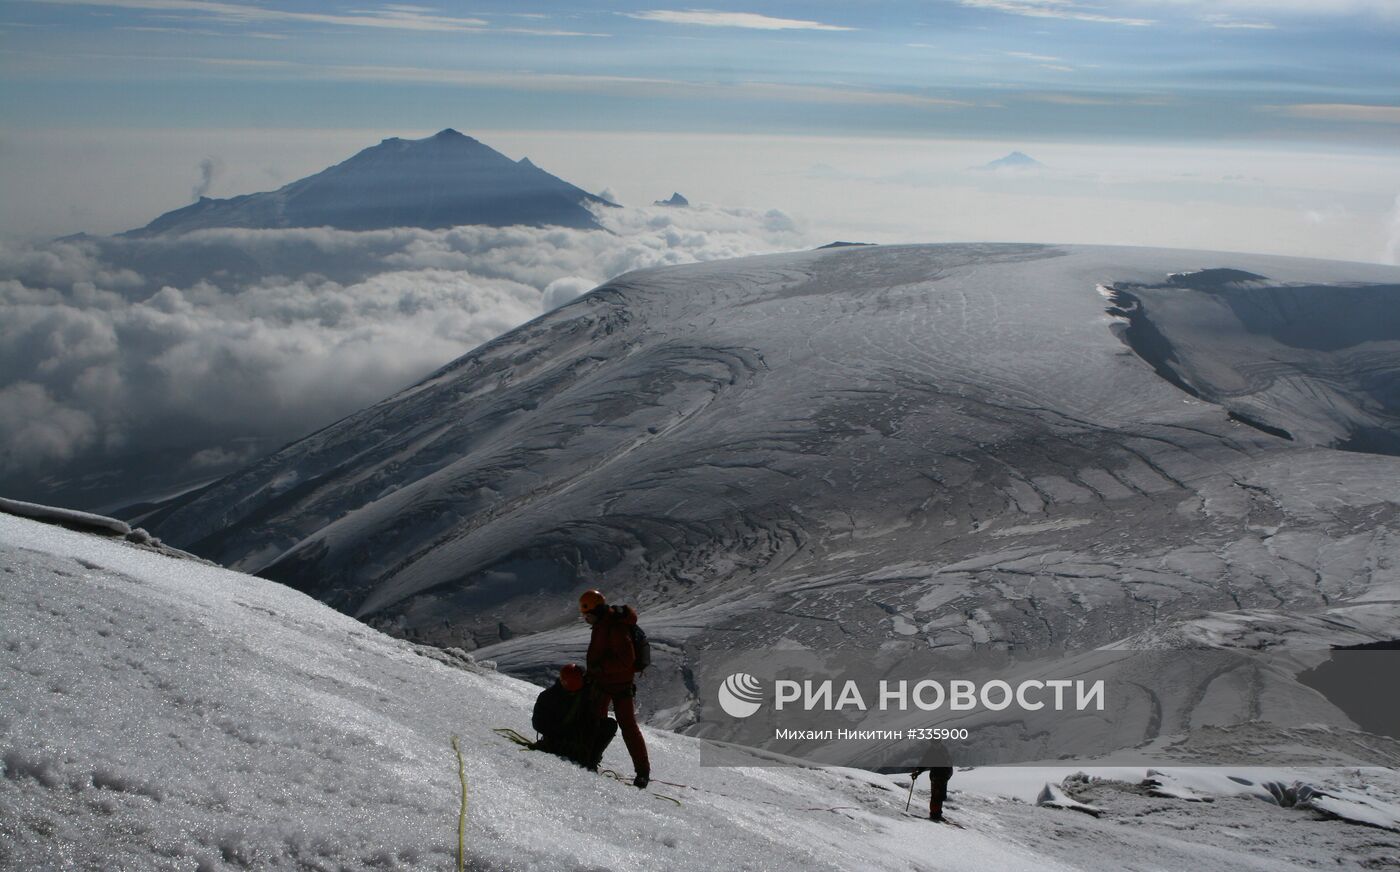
(461, 815)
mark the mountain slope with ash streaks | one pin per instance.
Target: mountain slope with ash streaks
(917, 445)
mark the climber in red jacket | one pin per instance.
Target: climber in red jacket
(611, 677)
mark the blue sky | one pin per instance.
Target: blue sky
(1320, 70)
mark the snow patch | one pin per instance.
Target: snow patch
(1042, 527)
(1054, 796)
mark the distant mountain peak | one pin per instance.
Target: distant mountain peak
(676, 200)
(1016, 160)
(446, 180)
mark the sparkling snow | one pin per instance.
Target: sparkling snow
(160, 713)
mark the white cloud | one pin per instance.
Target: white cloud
(184, 31)
(1056, 9)
(35, 429)
(387, 17)
(65, 264)
(562, 290)
(98, 359)
(747, 20)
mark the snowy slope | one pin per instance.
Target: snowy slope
(921, 446)
(165, 714)
(445, 180)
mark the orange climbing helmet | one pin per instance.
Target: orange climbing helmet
(590, 600)
(571, 677)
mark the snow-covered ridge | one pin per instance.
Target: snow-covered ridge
(89, 522)
(919, 446)
(166, 714)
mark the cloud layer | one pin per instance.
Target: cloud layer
(212, 348)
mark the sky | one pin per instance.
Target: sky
(1186, 68)
(113, 111)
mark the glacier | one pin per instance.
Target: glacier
(927, 447)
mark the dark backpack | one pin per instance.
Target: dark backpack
(641, 649)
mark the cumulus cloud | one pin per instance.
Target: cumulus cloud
(64, 264)
(561, 291)
(34, 428)
(217, 346)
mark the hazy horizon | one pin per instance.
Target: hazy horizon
(1304, 200)
(1238, 125)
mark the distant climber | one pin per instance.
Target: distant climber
(938, 777)
(937, 762)
(616, 652)
(567, 724)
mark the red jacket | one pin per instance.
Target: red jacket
(611, 657)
